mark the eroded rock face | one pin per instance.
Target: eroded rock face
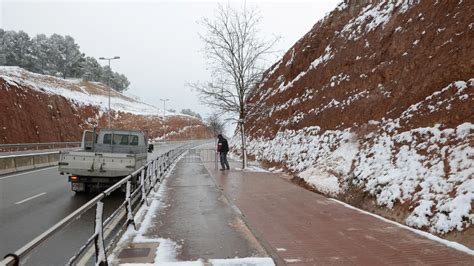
(350, 69)
(30, 114)
(375, 106)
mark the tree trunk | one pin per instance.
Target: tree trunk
(244, 145)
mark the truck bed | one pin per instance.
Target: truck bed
(84, 163)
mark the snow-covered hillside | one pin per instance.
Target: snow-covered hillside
(374, 106)
(40, 108)
(77, 90)
(430, 168)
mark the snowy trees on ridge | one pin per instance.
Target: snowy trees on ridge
(191, 113)
(55, 55)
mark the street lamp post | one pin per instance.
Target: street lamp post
(110, 88)
(164, 114)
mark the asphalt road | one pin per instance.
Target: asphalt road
(33, 201)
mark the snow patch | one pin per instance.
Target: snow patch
(243, 261)
(373, 16)
(74, 91)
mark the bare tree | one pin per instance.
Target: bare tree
(235, 54)
(215, 124)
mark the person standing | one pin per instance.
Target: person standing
(223, 149)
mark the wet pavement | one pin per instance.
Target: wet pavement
(305, 228)
(226, 214)
(200, 219)
(33, 201)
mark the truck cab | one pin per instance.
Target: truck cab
(105, 157)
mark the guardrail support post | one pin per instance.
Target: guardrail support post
(161, 171)
(142, 184)
(100, 257)
(155, 174)
(130, 220)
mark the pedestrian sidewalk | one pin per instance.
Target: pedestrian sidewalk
(300, 227)
(189, 222)
(203, 216)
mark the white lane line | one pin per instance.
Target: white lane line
(27, 173)
(30, 198)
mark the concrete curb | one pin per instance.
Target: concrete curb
(22, 162)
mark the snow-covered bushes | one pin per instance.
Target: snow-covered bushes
(430, 169)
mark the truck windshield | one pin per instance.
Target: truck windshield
(121, 139)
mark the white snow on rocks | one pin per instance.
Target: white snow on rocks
(430, 169)
(419, 167)
(324, 182)
(374, 16)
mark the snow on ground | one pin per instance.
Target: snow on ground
(252, 168)
(324, 182)
(431, 169)
(167, 251)
(214, 262)
(243, 261)
(75, 90)
(411, 167)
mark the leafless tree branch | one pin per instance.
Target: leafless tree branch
(235, 53)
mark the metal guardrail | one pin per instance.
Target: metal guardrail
(67, 144)
(147, 178)
(198, 155)
(38, 146)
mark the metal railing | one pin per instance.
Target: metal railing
(200, 156)
(38, 146)
(144, 181)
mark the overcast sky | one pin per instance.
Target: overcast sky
(157, 41)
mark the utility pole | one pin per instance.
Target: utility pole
(110, 88)
(164, 115)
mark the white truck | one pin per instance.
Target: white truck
(105, 157)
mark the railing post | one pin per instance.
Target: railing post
(168, 161)
(149, 172)
(142, 184)
(161, 171)
(130, 219)
(155, 174)
(165, 162)
(100, 257)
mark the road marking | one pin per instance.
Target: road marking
(29, 172)
(30, 198)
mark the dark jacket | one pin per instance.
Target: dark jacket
(222, 145)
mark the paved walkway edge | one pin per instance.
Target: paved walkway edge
(448, 243)
(356, 244)
(268, 248)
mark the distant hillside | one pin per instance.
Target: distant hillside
(40, 108)
(375, 106)
(55, 55)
